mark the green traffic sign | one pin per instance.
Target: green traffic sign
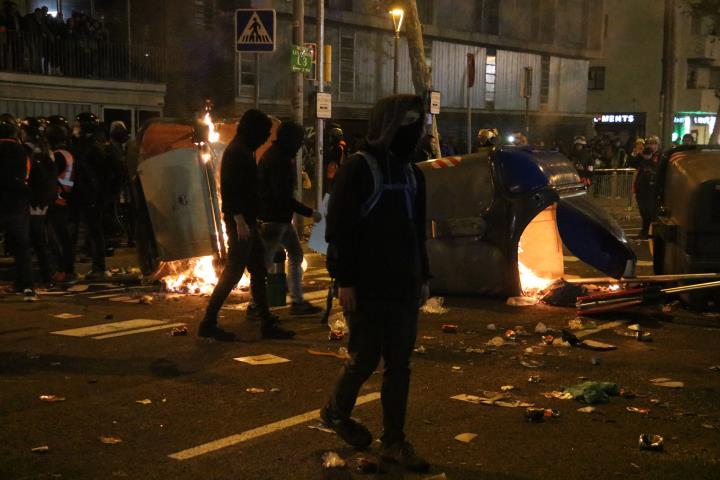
(301, 59)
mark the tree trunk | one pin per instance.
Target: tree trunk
(421, 76)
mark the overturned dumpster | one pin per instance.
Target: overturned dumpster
(497, 222)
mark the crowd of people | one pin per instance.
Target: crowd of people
(44, 44)
(59, 177)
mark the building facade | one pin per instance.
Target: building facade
(625, 84)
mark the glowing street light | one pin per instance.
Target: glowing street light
(397, 15)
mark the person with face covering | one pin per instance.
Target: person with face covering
(240, 208)
(645, 189)
(376, 251)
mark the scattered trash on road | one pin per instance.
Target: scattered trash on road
(321, 427)
(534, 379)
(364, 464)
(456, 369)
(475, 350)
(144, 401)
(255, 390)
(266, 359)
(332, 460)
(78, 288)
(435, 306)
(342, 353)
(40, 449)
(527, 363)
(449, 328)
(338, 327)
(522, 301)
(581, 324)
(541, 328)
(586, 410)
(179, 332)
(466, 437)
(145, 300)
(715, 368)
(66, 316)
(536, 415)
(51, 398)
(492, 398)
(491, 326)
(666, 383)
(597, 346)
(594, 392)
(558, 395)
(709, 426)
(421, 350)
(110, 440)
(641, 410)
(496, 342)
(651, 442)
(507, 388)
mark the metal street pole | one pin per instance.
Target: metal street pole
(396, 76)
(667, 95)
(297, 101)
(320, 126)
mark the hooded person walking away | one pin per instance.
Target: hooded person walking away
(277, 179)
(240, 208)
(376, 236)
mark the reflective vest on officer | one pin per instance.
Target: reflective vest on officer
(66, 178)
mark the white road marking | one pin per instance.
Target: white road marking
(259, 431)
(105, 328)
(139, 330)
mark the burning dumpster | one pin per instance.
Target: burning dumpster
(497, 221)
(686, 233)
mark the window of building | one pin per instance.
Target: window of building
(487, 16)
(347, 63)
(692, 77)
(490, 77)
(544, 79)
(247, 69)
(596, 78)
(425, 11)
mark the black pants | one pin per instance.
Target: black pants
(387, 330)
(39, 241)
(92, 217)
(646, 205)
(242, 254)
(17, 230)
(59, 221)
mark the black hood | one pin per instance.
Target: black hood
(254, 129)
(290, 137)
(388, 116)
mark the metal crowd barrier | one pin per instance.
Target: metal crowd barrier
(613, 186)
(21, 52)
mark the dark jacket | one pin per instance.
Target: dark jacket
(277, 178)
(14, 192)
(383, 253)
(43, 180)
(91, 173)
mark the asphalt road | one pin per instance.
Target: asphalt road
(198, 394)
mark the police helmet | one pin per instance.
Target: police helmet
(335, 133)
(57, 134)
(580, 140)
(8, 129)
(88, 123)
(119, 132)
(58, 120)
(32, 127)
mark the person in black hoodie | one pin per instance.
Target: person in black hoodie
(277, 180)
(376, 236)
(240, 206)
(15, 204)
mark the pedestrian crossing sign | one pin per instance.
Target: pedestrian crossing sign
(255, 30)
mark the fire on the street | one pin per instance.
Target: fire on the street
(196, 276)
(531, 284)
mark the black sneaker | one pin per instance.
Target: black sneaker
(404, 454)
(256, 314)
(210, 330)
(352, 432)
(273, 331)
(29, 295)
(304, 308)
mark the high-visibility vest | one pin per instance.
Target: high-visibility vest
(66, 178)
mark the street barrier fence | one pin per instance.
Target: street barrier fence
(613, 186)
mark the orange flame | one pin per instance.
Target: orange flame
(531, 284)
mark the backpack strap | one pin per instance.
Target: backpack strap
(374, 197)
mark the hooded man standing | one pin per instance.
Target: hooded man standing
(240, 207)
(277, 179)
(376, 236)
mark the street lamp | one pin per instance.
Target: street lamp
(397, 15)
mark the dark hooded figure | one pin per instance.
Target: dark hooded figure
(277, 179)
(376, 236)
(240, 208)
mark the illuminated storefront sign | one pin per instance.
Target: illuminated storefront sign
(615, 118)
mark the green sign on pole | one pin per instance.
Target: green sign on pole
(301, 59)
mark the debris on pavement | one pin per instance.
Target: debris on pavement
(597, 346)
(522, 301)
(466, 437)
(435, 306)
(558, 395)
(456, 368)
(421, 350)
(492, 398)
(110, 440)
(51, 398)
(594, 392)
(144, 401)
(667, 308)
(527, 363)
(586, 409)
(491, 326)
(67, 316)
(666, 383)
(255, 390)
(651, 442)
(266, 359)
(342, 353)
(145, 300)
(179, 332)
(541, 328)
(534, 379)
(638, 410)
(78, 288)
(715, 368)
(338, 327)
(332, 460)
(475, 350)
(570, 338)
(321, 427)
(496, 342)
(540, 414)
(449, 328)
(40, 449)
(507, 388)
(364, 464)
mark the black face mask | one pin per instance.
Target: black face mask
(406, 139)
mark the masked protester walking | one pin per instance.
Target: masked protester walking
(645, 186)
(15, 204)
(240, 208)
(277, 180)
(376, 251)
(43, 189)
(58, 135)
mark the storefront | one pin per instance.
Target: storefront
(627, 126)
(699, 124)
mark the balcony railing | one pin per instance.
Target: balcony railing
(22, 52)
